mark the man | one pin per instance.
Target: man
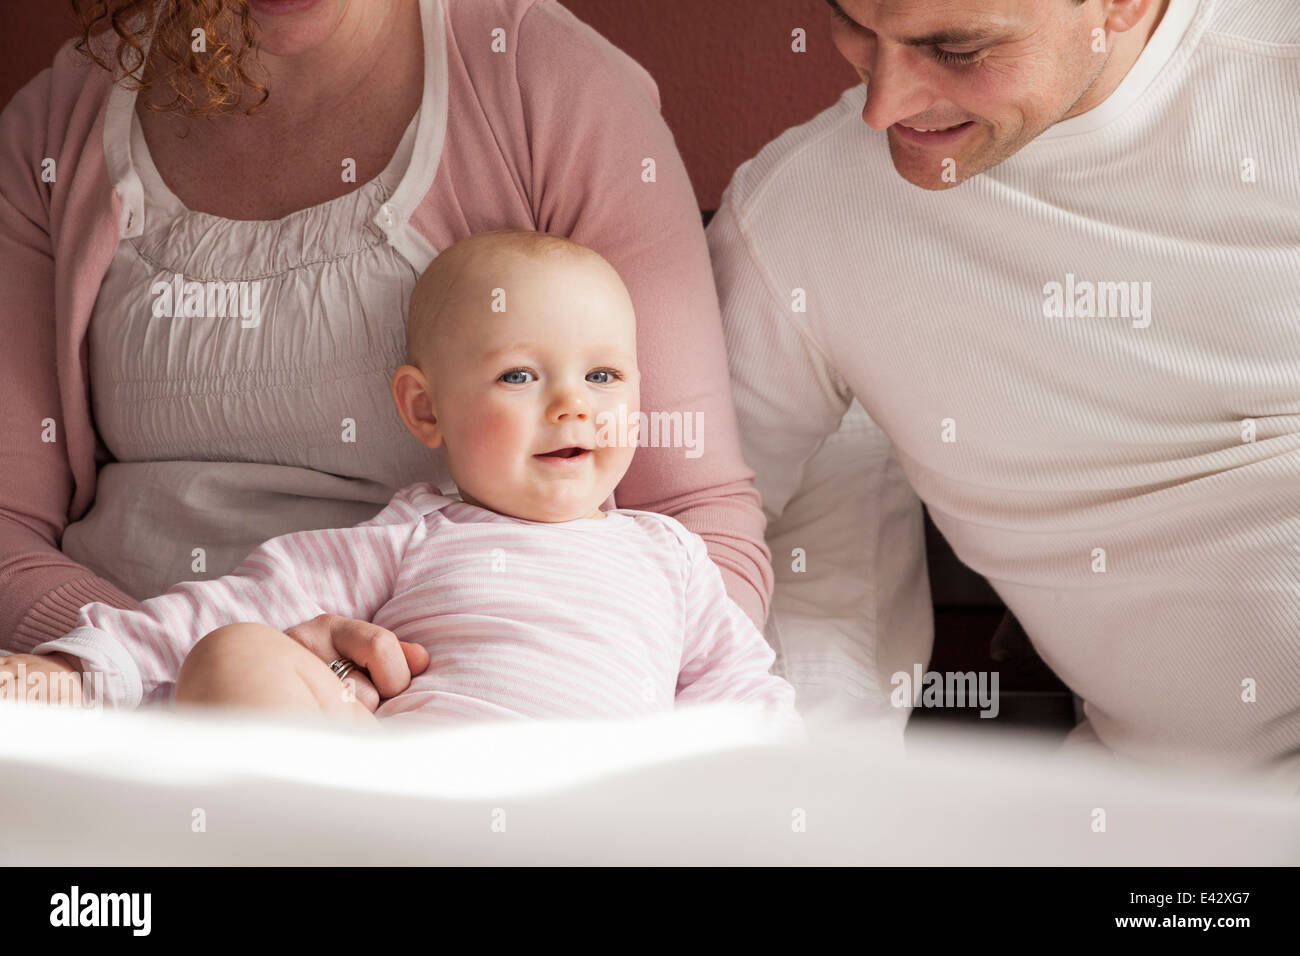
(1078, 341)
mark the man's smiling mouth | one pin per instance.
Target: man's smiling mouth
(933, 129)
(932, 137)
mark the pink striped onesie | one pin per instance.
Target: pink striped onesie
(609, 617)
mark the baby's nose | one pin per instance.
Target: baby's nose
(570, 407)
(579, 414)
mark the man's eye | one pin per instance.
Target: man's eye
(956, 59)
(610, 375)
(515, 376)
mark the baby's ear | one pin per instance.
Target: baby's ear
(414, 401)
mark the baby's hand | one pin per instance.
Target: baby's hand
(385, 664)
(41, 678)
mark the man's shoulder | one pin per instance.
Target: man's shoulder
(1271, 23)
(833, 140)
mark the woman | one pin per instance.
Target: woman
(311, 156)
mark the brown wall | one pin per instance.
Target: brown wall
(727, 77)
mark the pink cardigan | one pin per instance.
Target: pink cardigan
(558, 149)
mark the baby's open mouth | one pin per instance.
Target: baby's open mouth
(573, 451)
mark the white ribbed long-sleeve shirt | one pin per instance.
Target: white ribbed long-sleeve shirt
(1126, 477)
(609, 617)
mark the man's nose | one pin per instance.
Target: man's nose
(895, 90)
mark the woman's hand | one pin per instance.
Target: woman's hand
(59, 682)
(388, 663)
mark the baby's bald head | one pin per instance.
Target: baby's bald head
(482, 262)
(522, 353)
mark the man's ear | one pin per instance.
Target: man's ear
(414, 400)
(1124, 15)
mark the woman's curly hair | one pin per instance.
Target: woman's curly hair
(201, 83)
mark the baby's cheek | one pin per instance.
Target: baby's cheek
(492, 434)
(615, 460)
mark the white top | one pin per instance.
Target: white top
(1093, 460)
(613, 617)
(229, 430)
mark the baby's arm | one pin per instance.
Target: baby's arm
(287, 580)
(725, 657)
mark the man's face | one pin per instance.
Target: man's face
(988, 75)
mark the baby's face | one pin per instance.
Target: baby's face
(520, 394)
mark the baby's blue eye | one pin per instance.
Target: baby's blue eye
(609, 373)
(510, 377)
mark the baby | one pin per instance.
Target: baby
(530, 601)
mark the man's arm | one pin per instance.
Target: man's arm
(851, 607)
(832, 472)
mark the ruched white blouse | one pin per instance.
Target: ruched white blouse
(229, 430)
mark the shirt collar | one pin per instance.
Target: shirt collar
(1169, 45)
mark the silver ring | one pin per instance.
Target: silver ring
(341, 666)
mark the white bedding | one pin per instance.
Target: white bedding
(707, 786)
